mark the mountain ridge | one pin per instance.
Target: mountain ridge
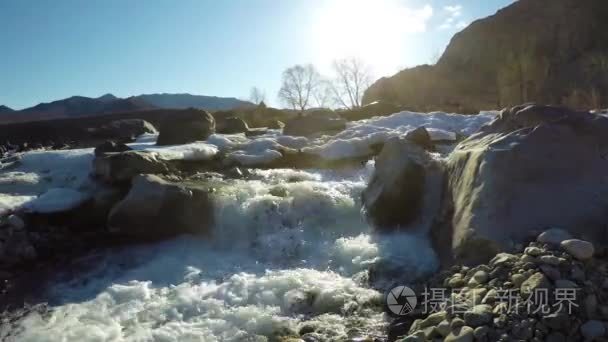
(82, 106)
(553, 52)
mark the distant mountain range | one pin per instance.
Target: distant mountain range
(81, 106)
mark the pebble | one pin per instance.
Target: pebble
(462, 334)
(518, 279)
(456, 323)
(580, 249)
(536, 281)
(478, 315)
(443, 328)
(533, 251)
(481, 277)
(549, 260)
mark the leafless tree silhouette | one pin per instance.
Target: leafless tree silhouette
(257, 95)
(298, 86)
(352, 77)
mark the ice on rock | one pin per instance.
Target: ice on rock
(56, 200)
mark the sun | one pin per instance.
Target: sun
(375, 31)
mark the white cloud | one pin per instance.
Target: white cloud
(455, 10)
(452, 13)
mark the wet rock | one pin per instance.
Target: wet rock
(186, 126)
(581, 250)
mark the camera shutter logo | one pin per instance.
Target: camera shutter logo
(401, 300)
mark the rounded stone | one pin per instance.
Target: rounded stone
(593, 329)
(580, 249)
(553, 236)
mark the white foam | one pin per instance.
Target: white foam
(286, 252)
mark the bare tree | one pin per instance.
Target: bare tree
(298, 85)
(352, 78)
(257, 95)
(323, 94)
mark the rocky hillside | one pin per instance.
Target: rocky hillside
(531, 51)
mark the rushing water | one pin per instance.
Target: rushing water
(290, 254)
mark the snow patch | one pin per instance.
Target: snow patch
(56, 200)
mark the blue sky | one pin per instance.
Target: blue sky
(52, 49)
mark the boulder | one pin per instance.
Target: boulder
(155, 208)
(581, 250)
(276, 124)
(122, 167)
(405, 188)
(186, 126)
(231, 125)
(110, 146)
(533, 167)
(125, 129)
(421, 137)
(314, 124)
(553, 236)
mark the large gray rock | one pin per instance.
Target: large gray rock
(155, 208)
(310, 125)
(231, 125)
(405, 188)
(124, 129)
(122, 167)
(185, 127)
(533, 167)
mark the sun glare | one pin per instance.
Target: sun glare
(375, 31)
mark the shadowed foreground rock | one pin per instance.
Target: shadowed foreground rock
(155, 208)
(532, 168)
(185, 127)
(405, 187)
